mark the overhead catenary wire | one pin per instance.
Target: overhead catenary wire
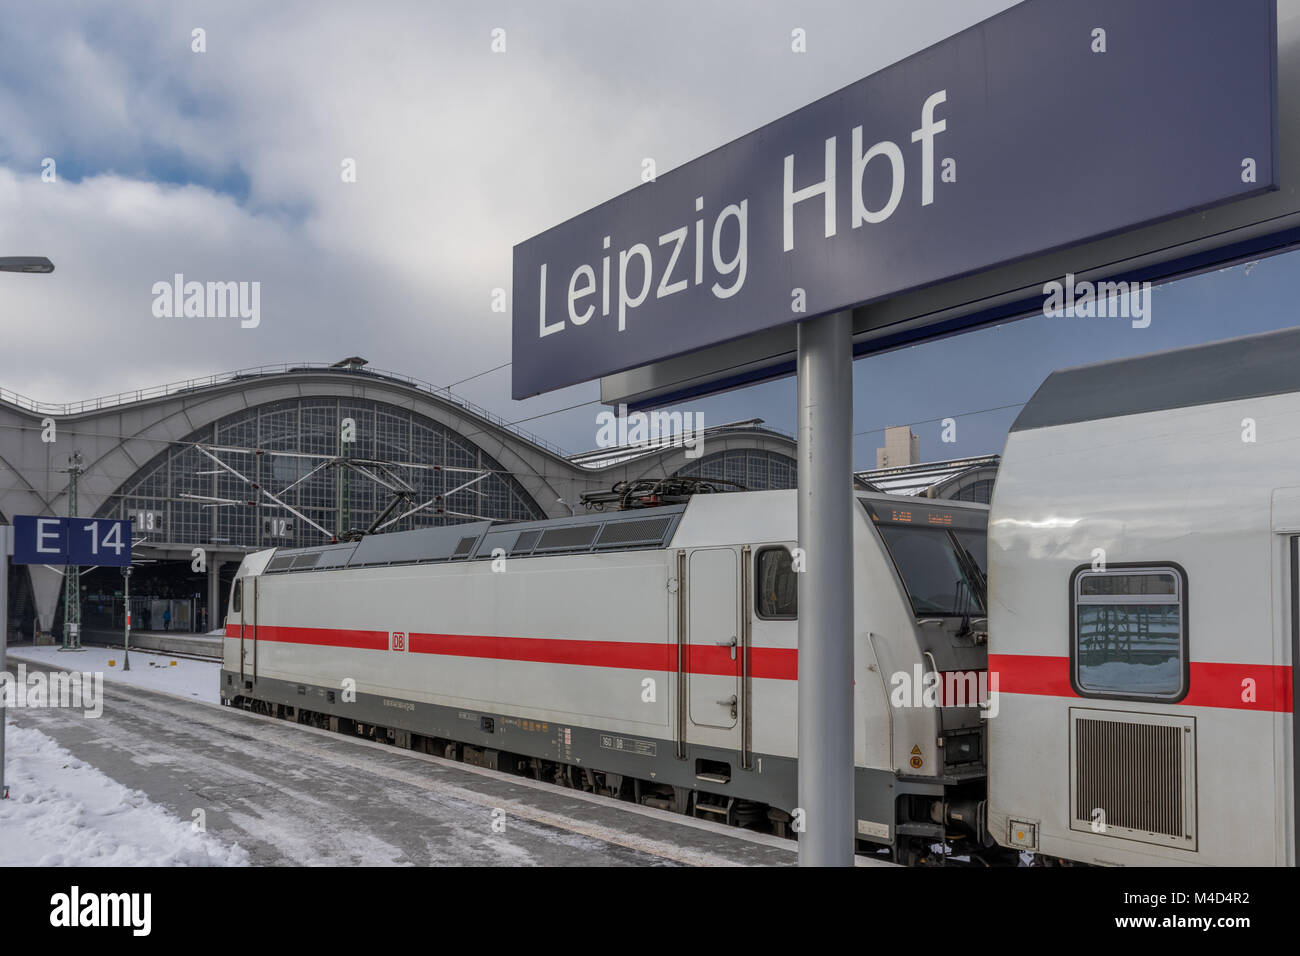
(931, 421)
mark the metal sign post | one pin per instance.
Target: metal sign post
(72, 573)
(126, 600)
(4, 646)
(826, 591)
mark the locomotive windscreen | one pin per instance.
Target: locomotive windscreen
(941, 555)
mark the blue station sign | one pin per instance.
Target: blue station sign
(1051, 124)
(71, 541)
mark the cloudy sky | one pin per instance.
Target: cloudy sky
(226, 165)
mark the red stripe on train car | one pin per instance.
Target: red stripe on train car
(624, 654)
(772, 663)
(1210, 684)
(321, 636)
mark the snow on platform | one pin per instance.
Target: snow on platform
(168, 642)
(63, 811)
(199, 680)
(294, 795)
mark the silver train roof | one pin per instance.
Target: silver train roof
(596, 531)
(1252, 366)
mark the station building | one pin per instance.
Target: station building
(959, 479)
(253, 459)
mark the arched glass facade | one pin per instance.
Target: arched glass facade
(310, 426)
(757, 470)
(979, 491)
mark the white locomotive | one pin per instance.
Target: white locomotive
(1143, 596)
(649, 654)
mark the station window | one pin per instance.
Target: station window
(777, 595)
(1130, 632)
(237, 599)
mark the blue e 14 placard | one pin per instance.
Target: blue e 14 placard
(99, 541)
(79, 541)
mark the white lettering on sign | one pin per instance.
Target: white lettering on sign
(110, 541)
(885, 149)
(661, 267)
(825, 189)
(42, 535)
(638, 266)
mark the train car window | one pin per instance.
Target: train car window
(777, 596)
(237, 600)
(1129, 632)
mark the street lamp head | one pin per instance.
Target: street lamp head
(35, 264)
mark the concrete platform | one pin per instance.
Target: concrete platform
(168, 642)
(293, 795)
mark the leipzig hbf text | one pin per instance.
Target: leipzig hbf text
(678, 258)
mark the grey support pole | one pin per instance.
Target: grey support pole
(826, 591)
(214, 592)
(126, 637)
(4, 645)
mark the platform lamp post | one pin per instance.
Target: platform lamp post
(72, 573)
(38, 265)
(126, 600)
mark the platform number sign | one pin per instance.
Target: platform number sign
(76, 541)
(147, 520)
(277, 527)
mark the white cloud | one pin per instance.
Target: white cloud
(461, 154)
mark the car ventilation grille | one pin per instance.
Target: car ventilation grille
(466, 545)
(568, 538)
(280, 562)
(643, 531)
(307, 560)
(1132, 776)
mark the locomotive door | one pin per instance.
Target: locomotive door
(237, 605)
(1294, 550)
(248, 629)
(713, 648)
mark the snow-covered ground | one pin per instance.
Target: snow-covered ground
(199, 680)
(63, 811)
(278, 793)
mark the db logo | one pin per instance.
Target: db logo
(397, 640)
